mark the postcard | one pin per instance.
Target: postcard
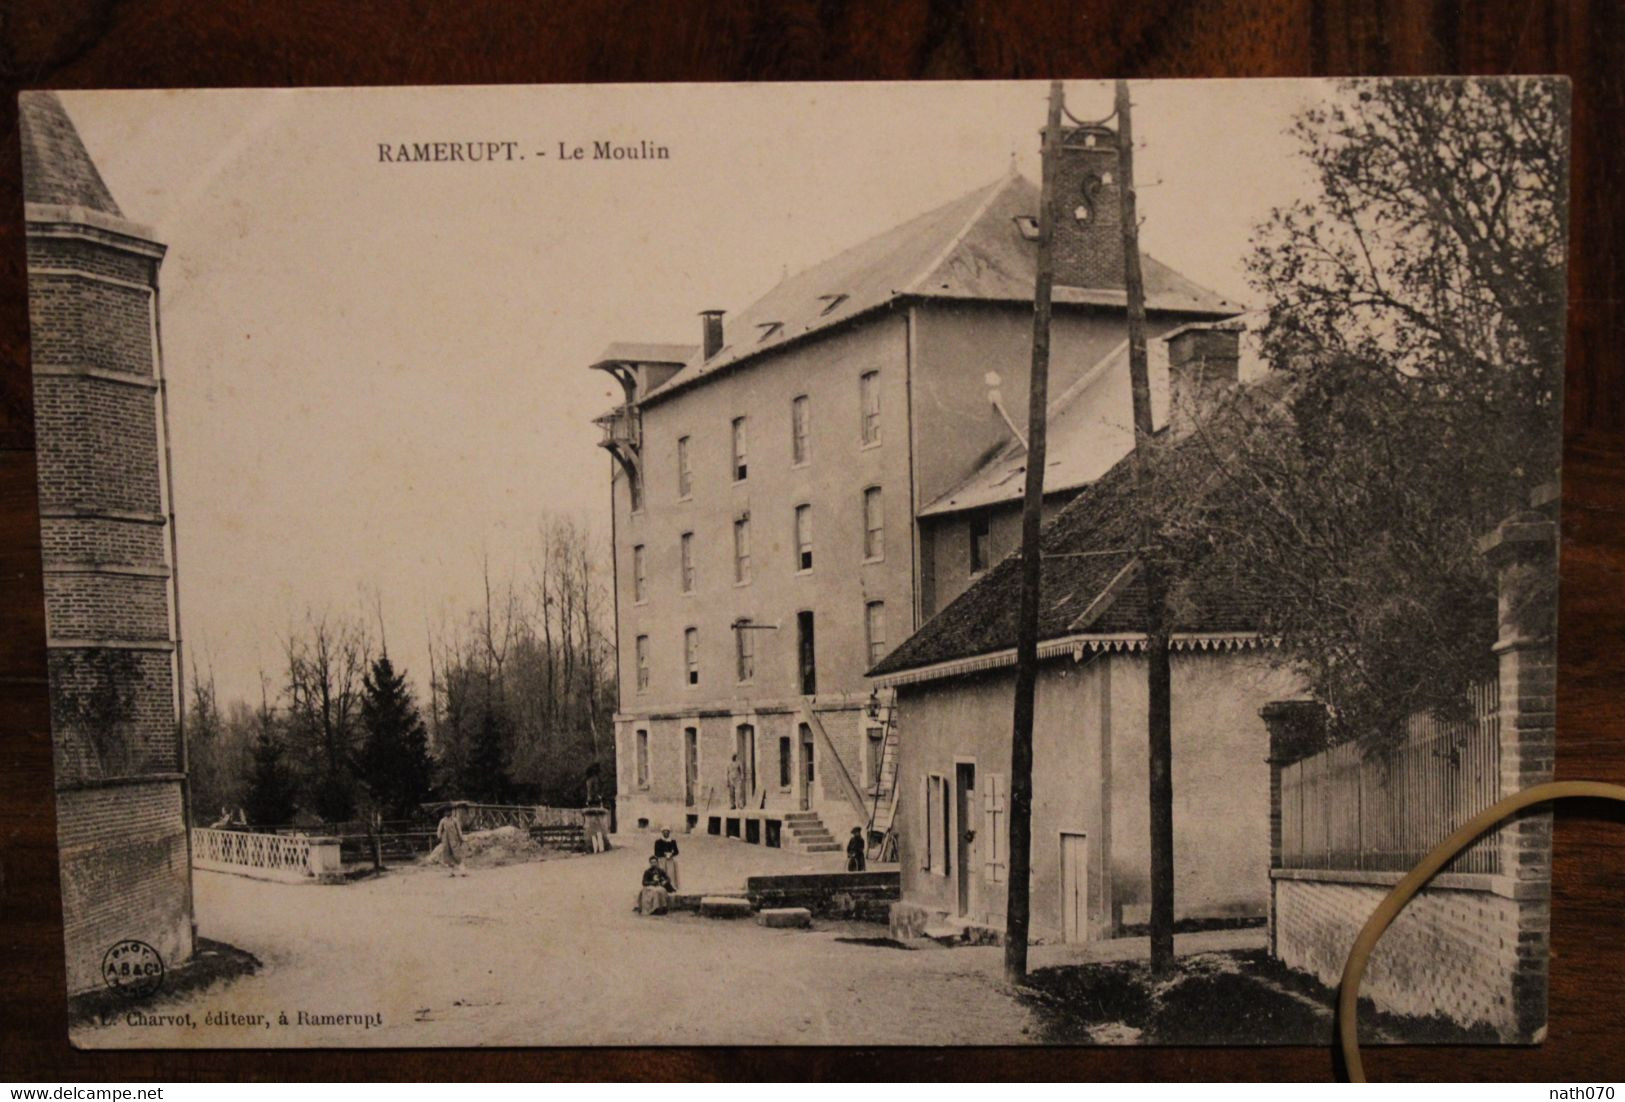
(854, 564)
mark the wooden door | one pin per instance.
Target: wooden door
(806, 785)
(691, 765)
(964, 824)
(1074, 887)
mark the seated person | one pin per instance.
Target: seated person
(654, 898)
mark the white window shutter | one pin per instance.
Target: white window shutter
(925, 816)
(995, 825)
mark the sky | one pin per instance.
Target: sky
(377, 371)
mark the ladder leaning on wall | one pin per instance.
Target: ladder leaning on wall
(883, 812)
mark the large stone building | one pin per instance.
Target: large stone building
(120, 765)
(769, 486)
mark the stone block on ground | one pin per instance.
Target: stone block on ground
(724, 906)
(784, 917)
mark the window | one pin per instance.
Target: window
(691, 655)
(745, 652)
(739, 468)
(869, 395)
(784, 761)
(639, 588)
(978, 543)
(800, 431)
(874, 524)
(742, 551)
(686, 546)
(643, 759)
(875, 741)
(634, 487)
(685, 471)
(643, 662)
(803, 537)
(874, 629)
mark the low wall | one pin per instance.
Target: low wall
(1452, 952)
(861, 895)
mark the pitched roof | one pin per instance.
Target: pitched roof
(1090, 424)
(1087, 433)
(969, 249)
(57, 170)
(1088, 582)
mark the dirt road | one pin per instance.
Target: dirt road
(551, 953)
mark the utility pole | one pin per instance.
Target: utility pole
(1021, 742)
(1159, 716)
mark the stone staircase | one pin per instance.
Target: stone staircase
(805, 831)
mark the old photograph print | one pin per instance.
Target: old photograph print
(548, 565)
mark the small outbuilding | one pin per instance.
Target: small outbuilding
(954, 682)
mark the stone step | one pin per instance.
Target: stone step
(724, 906)
(822, 847)
(800, 816)
(784, 917)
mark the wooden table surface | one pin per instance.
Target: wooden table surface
(165, 43)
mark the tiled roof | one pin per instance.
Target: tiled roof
(1085, 549)
(56, 168)
(969, 249)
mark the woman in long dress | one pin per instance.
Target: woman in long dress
(450, 836)
(654, 898)
(666, 854)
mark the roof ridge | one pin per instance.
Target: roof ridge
(994, 190)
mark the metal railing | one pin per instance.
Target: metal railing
(1383, 808)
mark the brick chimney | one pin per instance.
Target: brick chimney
(1203, 363)
(1088, 223)
(712, 337)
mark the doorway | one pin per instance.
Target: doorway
(745, 751)
(807, 652)
(1074, 886)
(691, 764)
(964, 829)
(807, 775)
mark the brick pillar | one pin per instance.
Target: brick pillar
(1297, 728)
(1522, 552)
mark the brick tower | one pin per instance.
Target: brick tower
(120, 762)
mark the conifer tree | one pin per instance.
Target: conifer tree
(394, 761)
(270, 799)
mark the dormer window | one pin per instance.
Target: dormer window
(831, 303)
(769, 329)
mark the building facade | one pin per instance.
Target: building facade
(953, 683)
(768, 488)
(120, 763)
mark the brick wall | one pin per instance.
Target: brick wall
(124, 874)
(112, 713)
(1088, 251)
(101, 540)
(1450, 952)
(97, 444)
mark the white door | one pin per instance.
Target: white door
(1074, 886)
